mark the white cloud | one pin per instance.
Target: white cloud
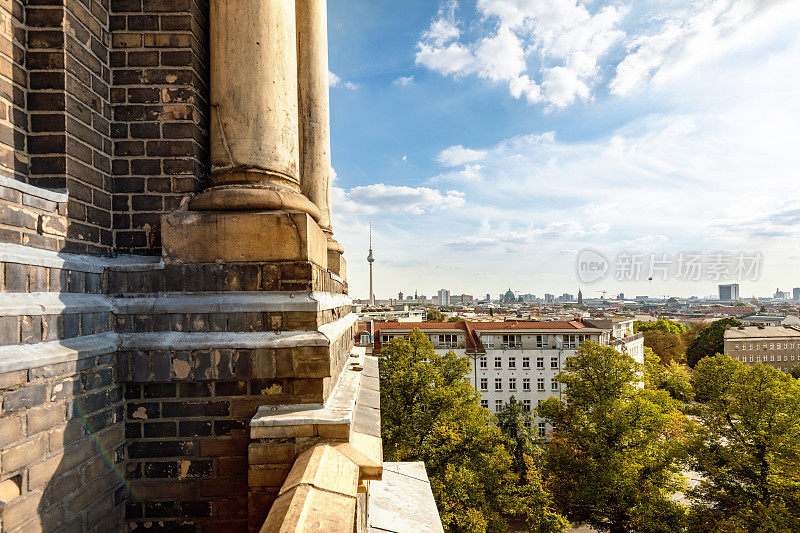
(380, 198)
(336, 81)
(457, 155)
(560, 36)
(403, 81)
(686, 39)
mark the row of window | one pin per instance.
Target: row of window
(498, 406)
(772, 346)
(512, 384)
(483, 362)
(542, 341)
(772, 358)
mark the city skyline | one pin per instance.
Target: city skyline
(623, 150)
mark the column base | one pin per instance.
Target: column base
(336, 263)
(253, 197)
(242, 236)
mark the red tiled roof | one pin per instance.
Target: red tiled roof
(528, 324)
(471, 328)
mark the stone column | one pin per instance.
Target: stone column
(314, 113)
(254, 109)
(314, 109)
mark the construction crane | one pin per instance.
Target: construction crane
(603, 293)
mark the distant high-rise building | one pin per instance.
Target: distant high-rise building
(796, 293)
(729, 293)
(400, 295)
(580, 297)
(621, 296)
(488, 297)
(444, 297)
(549, 297)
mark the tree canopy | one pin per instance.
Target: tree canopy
(665, 338)
(672, 377)
(710, 341)
(747, 448)
(430, 413)
(614, 458)
(434, 315)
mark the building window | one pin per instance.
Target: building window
(526, 404)
(542, 429)
(568, 341)
(498, 406)
(483, 363)
(540, 362)
(526, 384)
(498, 384)
(498, 363)
(771, 346)
(526, 362)
(541, 341)
(512, 341)
(512, 362)
(448, 340)
(554, 362)
(539, 383)
(527, 423)
(484, 384)
(772, 357)
(485, 404)
(512, 383)
(554, 385)
(751, 358)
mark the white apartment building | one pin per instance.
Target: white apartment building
(518, 358)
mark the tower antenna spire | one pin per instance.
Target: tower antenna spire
(370, 260)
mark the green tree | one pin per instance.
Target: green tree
(515, 423)
(710, 341)
(614, 458)
(692, 332)
(796, 372)
(455, 319)
(667, 326)
(747, 448)
(665, 338)
(430, 413)
(672, 377)
(434, 315)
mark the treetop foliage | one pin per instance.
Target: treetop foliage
(710, 341)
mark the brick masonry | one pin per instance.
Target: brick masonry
(107, 101)
(159, 66)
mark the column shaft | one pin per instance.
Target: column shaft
(254, 109)
(314, 108)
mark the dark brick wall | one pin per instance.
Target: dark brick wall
(13, 84)
(48, 450)
(160, 129)
(30, 220)
(69, 110)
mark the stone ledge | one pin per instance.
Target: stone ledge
(231, 302)
(54, 195)
(174, 340)
(26, 255)
(402, 501)
(25, 356)
(336, 413)
(52, 303)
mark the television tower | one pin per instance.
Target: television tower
(370, 260)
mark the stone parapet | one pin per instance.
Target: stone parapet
(299, 455)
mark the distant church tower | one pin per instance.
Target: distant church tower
(580, 297)
(370, 260)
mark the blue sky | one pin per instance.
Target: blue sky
(489, 141)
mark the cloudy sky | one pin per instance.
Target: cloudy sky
(490, 141)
